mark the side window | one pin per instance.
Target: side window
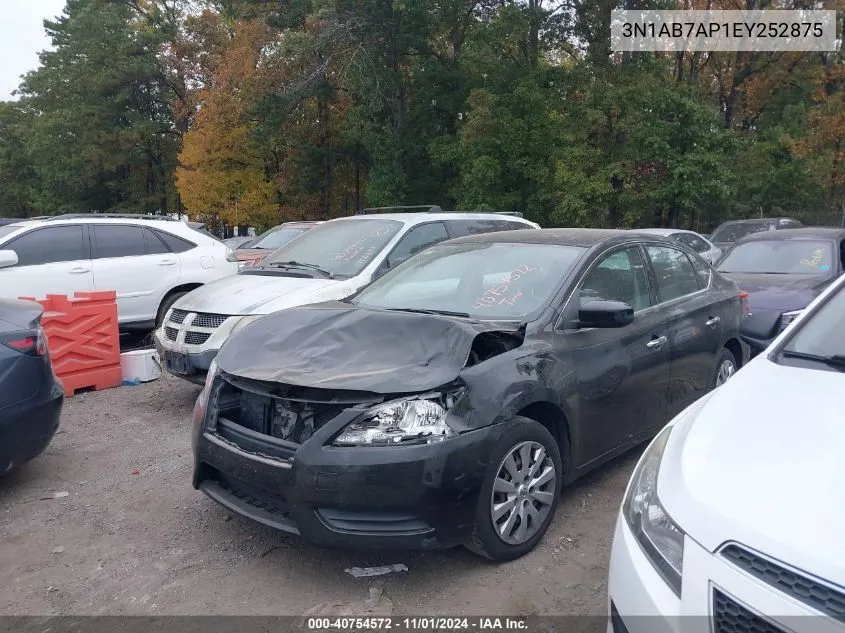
(50, 245)
(702, 272)
(117, 240)
(174, 243)
(620, 276)
(417, 239)
(154, 245)
(693, 241)
(674, 272)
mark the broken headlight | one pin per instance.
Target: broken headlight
(415, 420)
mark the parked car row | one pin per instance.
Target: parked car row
(420, 379)
(329, 261)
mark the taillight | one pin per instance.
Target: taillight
(32, 342)
(743, 300)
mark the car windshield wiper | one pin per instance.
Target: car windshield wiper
(463, 315)
(837, 361)
(313, 267)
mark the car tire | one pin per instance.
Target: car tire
(494, 538)
(166, 304)
(725, 367)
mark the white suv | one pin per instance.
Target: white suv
(328, 262)
(150, 261)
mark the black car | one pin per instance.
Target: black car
(733, 230)
(31, 396)
(448, 401)
(783, 271)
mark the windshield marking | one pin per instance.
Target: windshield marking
(816, 259)
(493, 295)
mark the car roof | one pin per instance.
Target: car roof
(658, 231)
(758, 220)
(421, 218)
(813, 232)
(584, 238)
(295, 224)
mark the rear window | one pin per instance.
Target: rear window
(174, 243)
(275, 238)
(734, 232)
(460, 228)
(780, 257)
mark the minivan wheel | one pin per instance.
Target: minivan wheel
(519, 494)
(725, 368)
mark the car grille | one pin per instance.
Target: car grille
(272, 425)
(811, 592)
(211, 321)
(196, 338)
(178, 316)
(199, 325)
(731, 617)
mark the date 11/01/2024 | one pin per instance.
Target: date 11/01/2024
(416, 623)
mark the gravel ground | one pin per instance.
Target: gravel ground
(106, 523)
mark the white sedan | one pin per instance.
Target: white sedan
(736, 510)
(708, 251)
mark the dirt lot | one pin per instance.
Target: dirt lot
(106, 522)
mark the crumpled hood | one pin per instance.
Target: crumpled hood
(780, 293)
(336, 345)
(255, 294)
(760, 462)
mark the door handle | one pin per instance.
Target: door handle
(657, 343)
(167, 262)
(79, 270)
(712, 322)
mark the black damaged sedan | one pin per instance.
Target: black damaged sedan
(450, 400)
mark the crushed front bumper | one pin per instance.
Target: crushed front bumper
(405, 497)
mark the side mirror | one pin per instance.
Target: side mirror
(605, 314)
(8, 258)
(759, 330)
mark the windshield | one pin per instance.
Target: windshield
(732, 232)
(783, 257)
(342, 248)
(273, 239)
(823, 334)
(497, 281)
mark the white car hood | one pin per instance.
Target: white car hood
(260, 294)
(762, 462)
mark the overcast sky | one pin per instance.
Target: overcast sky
(21, 37)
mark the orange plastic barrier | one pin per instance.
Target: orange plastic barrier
(83, 339)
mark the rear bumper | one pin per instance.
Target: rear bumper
(26, 428)
(409, 497)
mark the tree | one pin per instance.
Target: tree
(102, 136)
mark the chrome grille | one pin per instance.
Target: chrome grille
(803, 588)
(170, 333)
(208, 320)
(178, 316)
(196, 338)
